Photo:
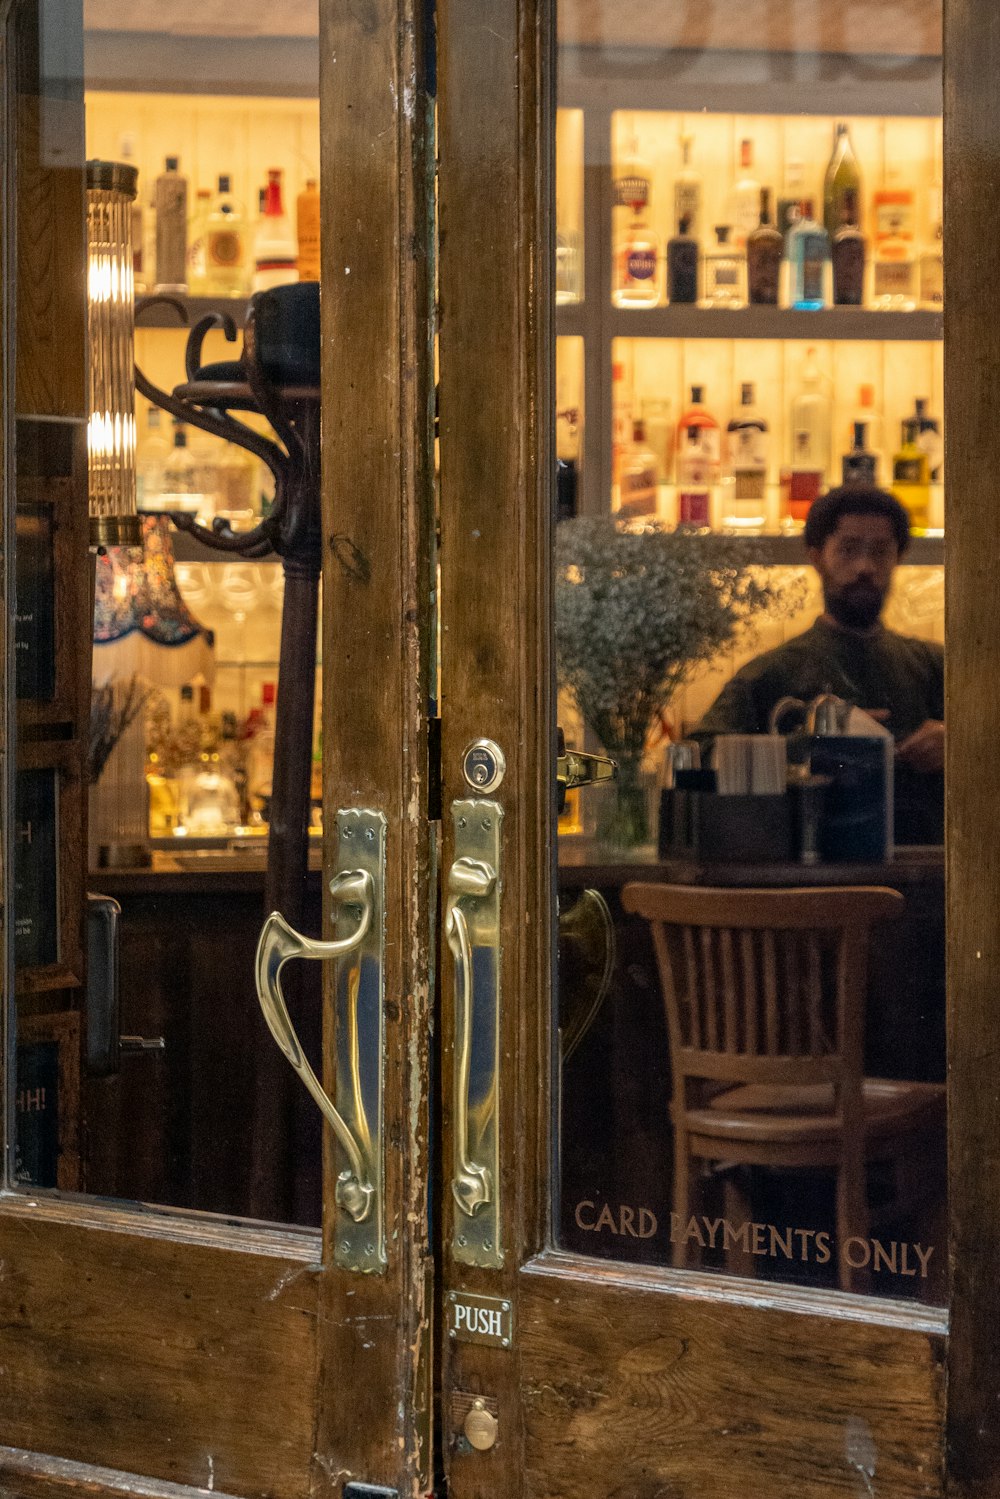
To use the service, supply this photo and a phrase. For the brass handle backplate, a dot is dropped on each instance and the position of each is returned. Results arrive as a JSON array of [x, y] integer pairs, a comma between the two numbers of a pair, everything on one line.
[[357, 895], [472, 928]]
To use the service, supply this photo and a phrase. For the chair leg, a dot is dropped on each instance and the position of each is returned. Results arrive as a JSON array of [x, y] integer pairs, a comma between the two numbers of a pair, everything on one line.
[[737, 1208], [852, 1221], [682, 1191]]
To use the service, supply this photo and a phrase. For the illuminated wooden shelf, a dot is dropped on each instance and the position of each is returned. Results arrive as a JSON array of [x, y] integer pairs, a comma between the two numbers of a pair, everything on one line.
[[790, 551], [859, 324]]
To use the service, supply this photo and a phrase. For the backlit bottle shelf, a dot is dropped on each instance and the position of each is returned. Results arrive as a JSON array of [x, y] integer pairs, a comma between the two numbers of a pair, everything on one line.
[[858, 324], [789, 550]]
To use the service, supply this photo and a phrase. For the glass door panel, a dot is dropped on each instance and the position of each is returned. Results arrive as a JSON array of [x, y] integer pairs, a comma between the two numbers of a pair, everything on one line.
[[749, 619], [145, 1071]]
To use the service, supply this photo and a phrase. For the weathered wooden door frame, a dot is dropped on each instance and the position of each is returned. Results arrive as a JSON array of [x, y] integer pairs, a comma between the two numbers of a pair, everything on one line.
[[178, 1351], [760, 1377]]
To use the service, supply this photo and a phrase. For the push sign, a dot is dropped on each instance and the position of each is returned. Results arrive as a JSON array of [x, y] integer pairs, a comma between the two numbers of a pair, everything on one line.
[[480, 1319]]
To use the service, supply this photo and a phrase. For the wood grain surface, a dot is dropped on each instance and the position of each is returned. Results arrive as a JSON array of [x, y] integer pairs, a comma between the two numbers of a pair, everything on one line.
[[185, 1353], [636, 1391], [495, 118], [618, 1384], [377, 170], [972, 357]]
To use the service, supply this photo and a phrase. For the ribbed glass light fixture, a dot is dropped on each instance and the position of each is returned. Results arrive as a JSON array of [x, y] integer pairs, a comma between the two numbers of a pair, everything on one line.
[[111, 190]]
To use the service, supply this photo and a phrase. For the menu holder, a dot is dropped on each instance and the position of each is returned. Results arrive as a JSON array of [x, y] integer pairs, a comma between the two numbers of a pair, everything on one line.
[[857, 814], [709, 828]]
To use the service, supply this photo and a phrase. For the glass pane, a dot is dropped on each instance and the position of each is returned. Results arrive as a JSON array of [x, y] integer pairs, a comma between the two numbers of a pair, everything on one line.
[[165, 725], [749, 620]]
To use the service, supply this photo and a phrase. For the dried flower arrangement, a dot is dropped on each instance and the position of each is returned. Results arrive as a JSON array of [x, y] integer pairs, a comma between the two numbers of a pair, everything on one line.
[[638, 609]]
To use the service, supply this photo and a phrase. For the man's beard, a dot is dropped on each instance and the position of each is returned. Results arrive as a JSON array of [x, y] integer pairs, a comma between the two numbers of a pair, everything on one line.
[[856, 607]]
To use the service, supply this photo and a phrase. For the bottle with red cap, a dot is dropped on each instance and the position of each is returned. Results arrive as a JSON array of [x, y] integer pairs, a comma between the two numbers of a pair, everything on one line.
[[275, 261]]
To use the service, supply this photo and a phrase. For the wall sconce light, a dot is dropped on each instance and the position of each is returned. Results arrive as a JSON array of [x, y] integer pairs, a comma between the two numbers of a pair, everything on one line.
[[111, 190]]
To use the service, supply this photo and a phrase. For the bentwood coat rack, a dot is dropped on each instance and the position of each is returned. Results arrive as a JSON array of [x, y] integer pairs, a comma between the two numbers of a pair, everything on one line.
[[276, 376]]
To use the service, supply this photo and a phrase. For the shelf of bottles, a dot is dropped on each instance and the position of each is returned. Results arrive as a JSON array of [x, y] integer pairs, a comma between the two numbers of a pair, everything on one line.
[[227, 205], [751, 307]]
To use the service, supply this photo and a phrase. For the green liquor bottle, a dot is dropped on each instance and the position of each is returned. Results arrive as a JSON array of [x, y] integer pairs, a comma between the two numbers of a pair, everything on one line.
[[842, 177]]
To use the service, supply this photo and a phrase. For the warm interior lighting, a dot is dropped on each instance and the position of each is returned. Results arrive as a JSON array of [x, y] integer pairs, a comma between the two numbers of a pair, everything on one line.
[[111, 189]]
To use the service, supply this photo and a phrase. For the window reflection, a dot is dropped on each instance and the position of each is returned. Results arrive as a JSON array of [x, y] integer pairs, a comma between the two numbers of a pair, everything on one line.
[[802, 749]]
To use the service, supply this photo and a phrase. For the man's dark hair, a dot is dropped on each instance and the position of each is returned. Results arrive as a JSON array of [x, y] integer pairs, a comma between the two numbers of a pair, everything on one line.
[[824, 515]]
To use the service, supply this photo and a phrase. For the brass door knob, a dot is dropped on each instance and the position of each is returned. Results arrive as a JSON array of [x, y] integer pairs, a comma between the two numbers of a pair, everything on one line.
[[480, 1427]]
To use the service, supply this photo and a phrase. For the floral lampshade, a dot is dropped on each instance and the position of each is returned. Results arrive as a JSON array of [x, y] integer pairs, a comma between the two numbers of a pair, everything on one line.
[[142, 625], [111, 189]]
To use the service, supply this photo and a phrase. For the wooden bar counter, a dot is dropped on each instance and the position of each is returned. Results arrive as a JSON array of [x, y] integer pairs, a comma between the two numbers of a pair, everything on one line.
[[174, 1126]]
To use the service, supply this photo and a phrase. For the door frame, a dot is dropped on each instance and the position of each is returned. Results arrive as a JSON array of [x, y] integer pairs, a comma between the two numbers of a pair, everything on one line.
[[172, 1351], [763, 1371]]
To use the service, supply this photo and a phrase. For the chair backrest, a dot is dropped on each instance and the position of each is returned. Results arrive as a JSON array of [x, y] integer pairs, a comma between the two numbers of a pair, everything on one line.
[[763, 986]]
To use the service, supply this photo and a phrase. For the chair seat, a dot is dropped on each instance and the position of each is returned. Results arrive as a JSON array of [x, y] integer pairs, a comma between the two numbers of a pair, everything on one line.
[[781, 1115]]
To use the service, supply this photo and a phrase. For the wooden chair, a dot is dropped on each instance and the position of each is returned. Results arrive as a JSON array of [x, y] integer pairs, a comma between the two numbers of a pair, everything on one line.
[[765, 1000]]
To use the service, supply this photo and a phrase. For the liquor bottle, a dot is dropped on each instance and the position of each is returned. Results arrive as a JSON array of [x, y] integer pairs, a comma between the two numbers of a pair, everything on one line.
[[931, 265], [790, 201], [842, 177], [911, 480], [226, 245], [235, 485], [631, 188], [801, 480], [261, 768], [723, 272], [929, 437], [197, 249], [867, 413], [893, 208], [703, 422], [151, 462], [848, 254], [180, 481], [171, 195], [636, 281], [660, 434], [694, 480], [687, 194], [810, 414], [894, 270], [127, 151], [746, 197], [621, 423], [809, 262], [765, 248], [567, 262], [307, 231], [859, 466], [638, 484], [744, 499], [274, 250], [682, 264]]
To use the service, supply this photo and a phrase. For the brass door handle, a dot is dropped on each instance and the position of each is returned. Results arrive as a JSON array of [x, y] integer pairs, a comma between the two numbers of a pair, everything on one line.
[[471, 1183], [278, 944], [576, 768], [472, 930]]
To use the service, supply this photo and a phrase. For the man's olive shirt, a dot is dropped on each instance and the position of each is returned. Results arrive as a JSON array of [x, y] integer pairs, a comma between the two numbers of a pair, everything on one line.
[[876, 670]]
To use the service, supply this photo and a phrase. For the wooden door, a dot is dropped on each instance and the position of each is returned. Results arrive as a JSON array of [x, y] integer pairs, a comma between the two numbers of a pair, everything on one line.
[[575, 1358], [148, 1347]]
